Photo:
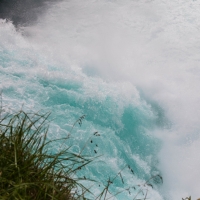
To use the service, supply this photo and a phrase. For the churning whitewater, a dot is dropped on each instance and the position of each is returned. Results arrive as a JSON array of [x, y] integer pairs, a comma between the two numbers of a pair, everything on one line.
[[130, 67]]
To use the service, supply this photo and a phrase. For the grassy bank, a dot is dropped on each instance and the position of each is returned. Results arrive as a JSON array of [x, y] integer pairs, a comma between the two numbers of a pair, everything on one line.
[[29, 169]]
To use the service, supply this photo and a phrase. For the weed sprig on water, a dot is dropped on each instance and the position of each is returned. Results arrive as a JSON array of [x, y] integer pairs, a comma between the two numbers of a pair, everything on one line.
[[189, 198]]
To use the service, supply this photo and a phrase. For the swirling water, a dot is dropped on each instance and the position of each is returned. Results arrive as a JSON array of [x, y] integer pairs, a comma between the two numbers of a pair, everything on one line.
[[132, 67]]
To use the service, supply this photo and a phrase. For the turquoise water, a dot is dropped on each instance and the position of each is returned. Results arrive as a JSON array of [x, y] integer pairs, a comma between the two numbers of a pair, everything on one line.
[[132, 68], [124, 120]]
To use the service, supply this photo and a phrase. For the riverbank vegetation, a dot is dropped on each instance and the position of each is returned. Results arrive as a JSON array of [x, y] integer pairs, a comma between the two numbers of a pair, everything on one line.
[[30, 170]]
